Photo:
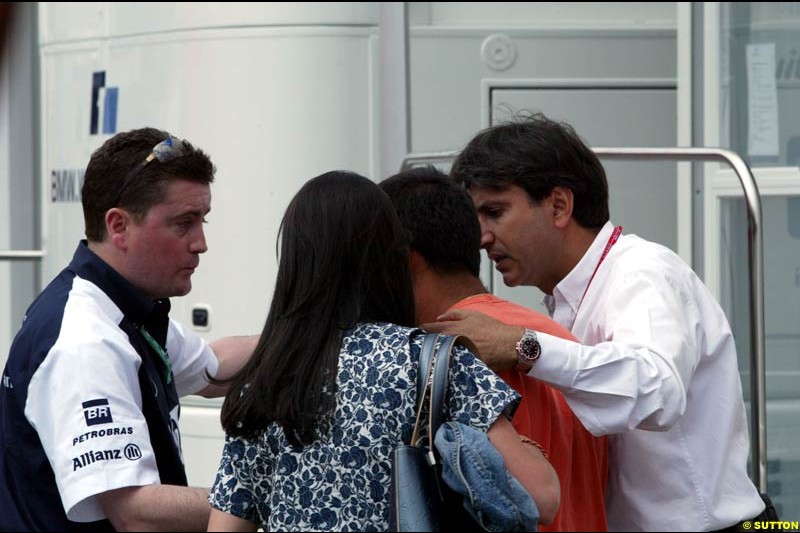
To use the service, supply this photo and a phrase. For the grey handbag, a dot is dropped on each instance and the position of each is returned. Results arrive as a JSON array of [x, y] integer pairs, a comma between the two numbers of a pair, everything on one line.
[[420, 500]]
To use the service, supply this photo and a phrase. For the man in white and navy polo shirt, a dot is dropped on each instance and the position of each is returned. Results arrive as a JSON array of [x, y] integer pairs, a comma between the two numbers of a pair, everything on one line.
[[89, 437]]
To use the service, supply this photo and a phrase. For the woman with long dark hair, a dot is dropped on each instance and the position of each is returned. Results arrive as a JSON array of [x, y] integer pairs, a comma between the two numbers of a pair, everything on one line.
[[312, 418]]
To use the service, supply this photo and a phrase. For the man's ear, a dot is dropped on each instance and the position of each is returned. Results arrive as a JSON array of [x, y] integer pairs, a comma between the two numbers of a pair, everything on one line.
[[562, 201], [117, 223]]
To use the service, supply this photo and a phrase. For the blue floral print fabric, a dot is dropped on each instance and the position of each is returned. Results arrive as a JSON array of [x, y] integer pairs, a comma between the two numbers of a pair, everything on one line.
[[341, 481]]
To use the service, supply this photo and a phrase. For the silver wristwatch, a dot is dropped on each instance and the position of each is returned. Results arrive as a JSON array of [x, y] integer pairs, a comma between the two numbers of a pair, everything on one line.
[[528, 351]]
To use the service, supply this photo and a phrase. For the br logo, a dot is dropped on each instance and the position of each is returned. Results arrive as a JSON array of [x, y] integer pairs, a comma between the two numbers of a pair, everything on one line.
[[97, 412]]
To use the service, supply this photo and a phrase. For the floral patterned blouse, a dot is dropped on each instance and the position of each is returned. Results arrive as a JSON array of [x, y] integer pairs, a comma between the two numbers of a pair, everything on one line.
[[341, 481]]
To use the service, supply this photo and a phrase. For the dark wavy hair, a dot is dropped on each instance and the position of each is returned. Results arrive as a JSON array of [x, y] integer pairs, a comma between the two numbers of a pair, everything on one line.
[[439, 216], [537, 154], [343, 260]]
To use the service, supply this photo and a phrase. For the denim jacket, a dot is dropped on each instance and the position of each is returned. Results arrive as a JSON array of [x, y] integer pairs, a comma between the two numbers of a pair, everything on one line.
[[472, 467]]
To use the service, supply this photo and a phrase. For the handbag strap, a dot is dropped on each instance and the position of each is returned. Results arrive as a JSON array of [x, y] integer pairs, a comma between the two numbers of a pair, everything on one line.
[[426, 359], [439, 385]]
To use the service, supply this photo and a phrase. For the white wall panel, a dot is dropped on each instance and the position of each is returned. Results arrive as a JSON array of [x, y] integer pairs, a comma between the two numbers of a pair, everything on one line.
[[131, 18], [563, 14], [447, 70], [77, 21], [66, 145], [61, 22]]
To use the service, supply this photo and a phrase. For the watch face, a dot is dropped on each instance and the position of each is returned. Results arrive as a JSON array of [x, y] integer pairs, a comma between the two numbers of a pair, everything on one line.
[[528, 349]]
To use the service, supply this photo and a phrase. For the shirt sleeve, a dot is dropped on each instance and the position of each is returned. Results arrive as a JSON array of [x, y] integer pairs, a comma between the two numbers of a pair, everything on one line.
[[192, 359], [85, 403], [476, 396], [651, 327], [232, 490]]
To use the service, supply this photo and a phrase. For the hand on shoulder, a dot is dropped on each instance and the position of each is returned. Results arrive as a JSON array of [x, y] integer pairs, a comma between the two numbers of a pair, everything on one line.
[[493, 341]]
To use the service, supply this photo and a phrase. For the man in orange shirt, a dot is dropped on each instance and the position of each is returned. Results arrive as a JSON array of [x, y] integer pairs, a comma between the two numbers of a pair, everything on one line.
[[445, 261]]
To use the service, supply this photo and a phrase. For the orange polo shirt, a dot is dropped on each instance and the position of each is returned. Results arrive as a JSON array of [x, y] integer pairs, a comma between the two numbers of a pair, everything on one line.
[[579, 458]]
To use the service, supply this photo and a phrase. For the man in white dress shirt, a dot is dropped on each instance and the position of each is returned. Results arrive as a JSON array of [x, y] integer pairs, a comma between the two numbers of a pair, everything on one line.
[[656, 366]]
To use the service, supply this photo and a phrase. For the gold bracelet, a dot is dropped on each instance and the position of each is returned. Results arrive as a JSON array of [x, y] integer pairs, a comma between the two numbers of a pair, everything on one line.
[[526, 440]]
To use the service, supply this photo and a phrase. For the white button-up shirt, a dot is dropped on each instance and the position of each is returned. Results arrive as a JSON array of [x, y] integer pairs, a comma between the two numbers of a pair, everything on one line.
[[657, 371]]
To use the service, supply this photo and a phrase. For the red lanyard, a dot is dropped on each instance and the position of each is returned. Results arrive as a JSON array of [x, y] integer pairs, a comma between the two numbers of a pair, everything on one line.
[[611, 242]]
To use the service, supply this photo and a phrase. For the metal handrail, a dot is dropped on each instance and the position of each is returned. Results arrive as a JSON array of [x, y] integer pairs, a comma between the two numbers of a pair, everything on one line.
[[427, 157], [755, 261], [22, 255]]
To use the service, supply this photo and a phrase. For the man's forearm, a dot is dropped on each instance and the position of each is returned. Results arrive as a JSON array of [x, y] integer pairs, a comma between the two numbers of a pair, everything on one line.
[[232, 354], [157, 508]]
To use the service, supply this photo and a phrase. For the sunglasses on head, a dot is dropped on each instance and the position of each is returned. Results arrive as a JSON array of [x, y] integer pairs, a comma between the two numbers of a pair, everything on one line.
[[166, 150]]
